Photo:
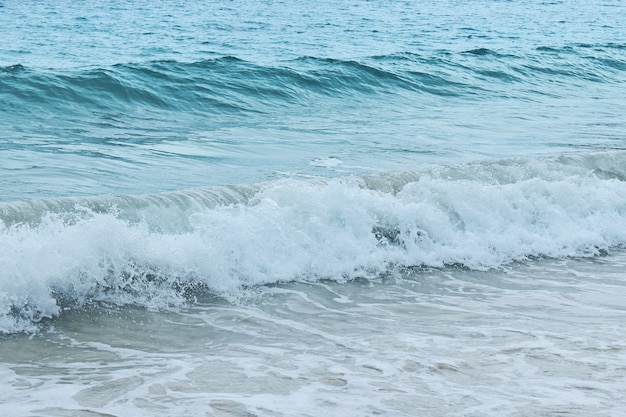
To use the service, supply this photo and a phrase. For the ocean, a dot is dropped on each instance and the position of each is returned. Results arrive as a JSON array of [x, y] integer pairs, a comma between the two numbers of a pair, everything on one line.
[[340, 208]]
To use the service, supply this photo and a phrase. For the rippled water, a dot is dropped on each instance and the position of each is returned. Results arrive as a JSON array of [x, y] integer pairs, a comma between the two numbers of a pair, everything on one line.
[[267, 208], [145, 98]]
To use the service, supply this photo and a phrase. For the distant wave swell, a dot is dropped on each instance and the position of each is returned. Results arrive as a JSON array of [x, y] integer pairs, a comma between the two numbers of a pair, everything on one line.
[[230, 85]]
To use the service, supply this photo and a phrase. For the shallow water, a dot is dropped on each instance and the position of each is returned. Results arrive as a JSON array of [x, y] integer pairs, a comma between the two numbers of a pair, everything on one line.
[[454, 342]]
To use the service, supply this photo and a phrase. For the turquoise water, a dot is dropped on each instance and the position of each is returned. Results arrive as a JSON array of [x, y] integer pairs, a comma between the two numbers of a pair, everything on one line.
[[365, 208], [144, 98]]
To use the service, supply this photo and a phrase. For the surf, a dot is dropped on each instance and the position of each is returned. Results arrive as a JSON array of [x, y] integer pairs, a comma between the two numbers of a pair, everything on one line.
[[156, 250]]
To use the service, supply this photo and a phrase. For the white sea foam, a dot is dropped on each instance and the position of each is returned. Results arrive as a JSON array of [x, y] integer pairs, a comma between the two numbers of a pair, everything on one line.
[[541, 338], [479, 216]]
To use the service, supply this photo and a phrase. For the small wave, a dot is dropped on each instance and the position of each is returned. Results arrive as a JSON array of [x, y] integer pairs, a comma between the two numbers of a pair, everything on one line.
[[608, 45], [156, 250], [229, 85], [12, 69], [126, 207], [357, 77], [481, 52]]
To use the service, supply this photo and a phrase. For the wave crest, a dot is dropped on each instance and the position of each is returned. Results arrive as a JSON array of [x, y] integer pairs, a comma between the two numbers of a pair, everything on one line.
[[230, 85], [155, 250]]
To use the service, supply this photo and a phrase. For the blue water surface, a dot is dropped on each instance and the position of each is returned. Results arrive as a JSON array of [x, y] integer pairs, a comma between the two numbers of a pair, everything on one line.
[[145, 97]]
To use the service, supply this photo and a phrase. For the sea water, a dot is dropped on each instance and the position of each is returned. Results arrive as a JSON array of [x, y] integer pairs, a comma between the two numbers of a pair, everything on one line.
[[347, 208]]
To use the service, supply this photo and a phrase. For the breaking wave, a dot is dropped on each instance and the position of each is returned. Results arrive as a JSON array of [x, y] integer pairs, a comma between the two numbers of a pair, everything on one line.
[[158, 250]]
